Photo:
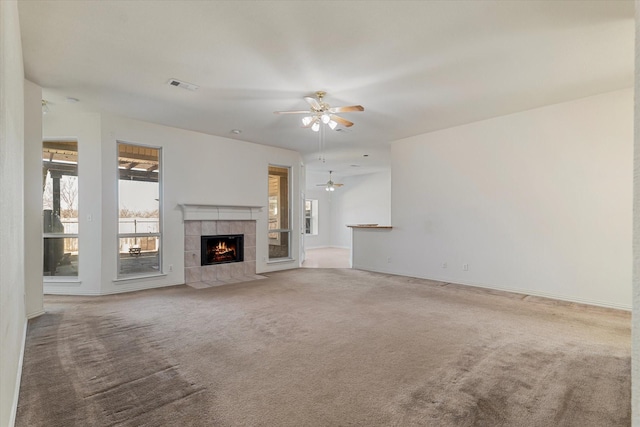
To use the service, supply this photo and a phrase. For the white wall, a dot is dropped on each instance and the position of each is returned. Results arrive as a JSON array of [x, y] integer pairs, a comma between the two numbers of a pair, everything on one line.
[[12, 284], [364, 199], [84, 128], [191, 163], [537, 202], [33, 199]]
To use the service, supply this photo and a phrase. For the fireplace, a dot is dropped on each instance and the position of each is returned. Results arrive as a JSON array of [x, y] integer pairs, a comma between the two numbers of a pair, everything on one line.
[[216, 221], [222, 249]]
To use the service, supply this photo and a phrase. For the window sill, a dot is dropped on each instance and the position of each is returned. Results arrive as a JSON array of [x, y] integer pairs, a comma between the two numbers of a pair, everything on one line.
[[146, 276], [60, 280]]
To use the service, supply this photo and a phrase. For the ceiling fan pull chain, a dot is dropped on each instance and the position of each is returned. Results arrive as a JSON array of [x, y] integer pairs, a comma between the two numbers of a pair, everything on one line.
[[322, 144]]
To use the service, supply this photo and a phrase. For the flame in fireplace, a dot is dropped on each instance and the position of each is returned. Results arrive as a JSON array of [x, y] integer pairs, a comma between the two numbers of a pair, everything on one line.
[[222, 249]]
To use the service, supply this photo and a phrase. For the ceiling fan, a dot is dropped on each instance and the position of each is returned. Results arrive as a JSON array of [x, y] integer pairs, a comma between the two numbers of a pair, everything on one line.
[[321, 112], [330, 185]]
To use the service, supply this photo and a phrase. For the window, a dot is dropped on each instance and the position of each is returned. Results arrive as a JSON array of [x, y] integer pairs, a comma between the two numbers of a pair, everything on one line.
[[311, 217], [139, 226], [279, 228], [60, 207]]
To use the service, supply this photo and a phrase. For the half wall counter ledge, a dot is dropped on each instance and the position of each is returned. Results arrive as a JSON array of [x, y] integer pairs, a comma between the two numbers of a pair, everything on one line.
[[364, 239]]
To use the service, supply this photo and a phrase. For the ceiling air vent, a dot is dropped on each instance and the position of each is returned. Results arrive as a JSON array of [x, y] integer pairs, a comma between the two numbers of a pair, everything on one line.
[[183, 85]]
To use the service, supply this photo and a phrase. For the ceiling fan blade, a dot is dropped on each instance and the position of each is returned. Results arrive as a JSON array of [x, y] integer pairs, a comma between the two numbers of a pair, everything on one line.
[[340, 120], [347, 109], [292, 112], [313, 102], [337, 185]]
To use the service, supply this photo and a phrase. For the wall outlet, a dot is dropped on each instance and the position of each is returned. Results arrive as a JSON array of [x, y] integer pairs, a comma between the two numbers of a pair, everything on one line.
[[465, 267], [444, 265], [389, 260]]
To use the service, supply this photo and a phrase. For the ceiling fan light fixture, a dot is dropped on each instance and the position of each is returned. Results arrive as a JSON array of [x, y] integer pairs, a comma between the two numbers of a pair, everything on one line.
[[330, 185], [322, 113]]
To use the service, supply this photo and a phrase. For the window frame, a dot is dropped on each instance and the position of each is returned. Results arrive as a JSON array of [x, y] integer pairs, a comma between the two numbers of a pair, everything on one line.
[[159, 234], [313, 229], [289, 230], [51, 236]]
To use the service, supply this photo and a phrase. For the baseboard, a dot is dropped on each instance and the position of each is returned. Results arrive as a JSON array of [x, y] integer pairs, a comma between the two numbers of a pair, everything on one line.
[[550, 295], [35, 314], [327, 247], [530, 292], [16, 391], [134, 287], [71, 292], [125, 288]]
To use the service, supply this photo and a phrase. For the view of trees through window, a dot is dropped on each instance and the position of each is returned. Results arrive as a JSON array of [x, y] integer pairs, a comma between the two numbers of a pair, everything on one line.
[[139, 228], [60, 207]]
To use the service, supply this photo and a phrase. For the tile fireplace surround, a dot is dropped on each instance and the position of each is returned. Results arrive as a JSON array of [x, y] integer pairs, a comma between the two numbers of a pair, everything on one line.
[[197, 225]]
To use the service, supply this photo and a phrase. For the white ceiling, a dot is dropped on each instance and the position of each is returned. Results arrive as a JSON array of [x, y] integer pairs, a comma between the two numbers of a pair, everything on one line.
[[416, 66]]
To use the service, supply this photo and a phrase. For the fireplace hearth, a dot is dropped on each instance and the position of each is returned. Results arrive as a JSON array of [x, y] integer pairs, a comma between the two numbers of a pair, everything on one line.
[[222, 249]]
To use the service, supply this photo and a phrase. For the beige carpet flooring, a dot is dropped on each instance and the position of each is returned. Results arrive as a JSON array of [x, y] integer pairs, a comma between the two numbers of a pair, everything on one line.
[[323, 347]]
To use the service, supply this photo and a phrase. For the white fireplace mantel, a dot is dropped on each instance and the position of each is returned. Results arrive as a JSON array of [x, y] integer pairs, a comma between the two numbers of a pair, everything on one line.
[[197, 212]]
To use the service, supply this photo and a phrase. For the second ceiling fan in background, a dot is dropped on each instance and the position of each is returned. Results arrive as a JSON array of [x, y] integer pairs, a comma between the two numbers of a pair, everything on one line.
[[330, 185]]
